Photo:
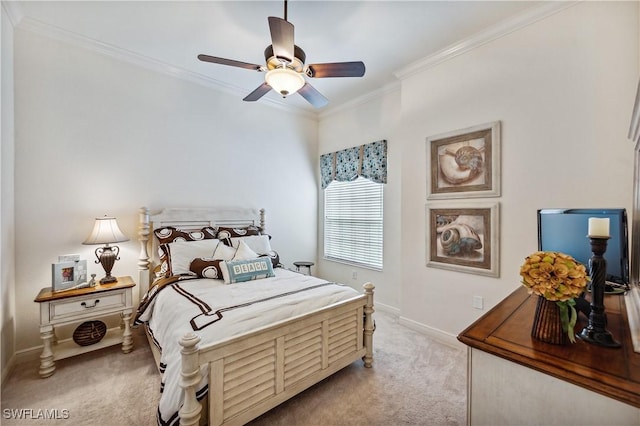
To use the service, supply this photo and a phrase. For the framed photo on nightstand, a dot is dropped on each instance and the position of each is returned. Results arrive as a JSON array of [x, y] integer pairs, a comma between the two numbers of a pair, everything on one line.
[[68, 275]]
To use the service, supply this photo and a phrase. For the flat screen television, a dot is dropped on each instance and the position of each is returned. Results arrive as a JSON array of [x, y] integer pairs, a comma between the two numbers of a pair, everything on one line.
[[565, 230]]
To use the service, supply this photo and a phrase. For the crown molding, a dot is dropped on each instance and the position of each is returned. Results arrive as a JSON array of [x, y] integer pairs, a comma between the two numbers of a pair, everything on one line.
[[124, 55], [13, 12], [501, 29], [492, 33], [361, 100]]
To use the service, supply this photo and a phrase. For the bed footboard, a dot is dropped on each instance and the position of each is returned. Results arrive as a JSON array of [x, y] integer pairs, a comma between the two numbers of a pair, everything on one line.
[[252, 373]]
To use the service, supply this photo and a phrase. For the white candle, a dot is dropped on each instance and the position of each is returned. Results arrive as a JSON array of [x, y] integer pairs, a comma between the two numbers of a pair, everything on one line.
[[598, 227]]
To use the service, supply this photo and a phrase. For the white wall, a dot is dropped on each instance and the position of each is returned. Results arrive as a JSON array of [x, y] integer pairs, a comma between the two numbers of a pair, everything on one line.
[[7, 266], [99, 136], [563, 88]]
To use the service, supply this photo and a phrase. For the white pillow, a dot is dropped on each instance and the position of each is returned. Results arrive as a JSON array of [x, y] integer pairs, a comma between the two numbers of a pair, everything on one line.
[[258, 243], [181, 253], [244, 252], [223, 252]]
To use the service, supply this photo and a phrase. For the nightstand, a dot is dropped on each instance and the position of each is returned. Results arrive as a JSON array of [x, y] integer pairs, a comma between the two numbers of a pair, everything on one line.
[[83, 304]]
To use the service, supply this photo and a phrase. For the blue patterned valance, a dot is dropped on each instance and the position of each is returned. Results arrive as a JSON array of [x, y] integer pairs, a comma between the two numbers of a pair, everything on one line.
[[368, 161]]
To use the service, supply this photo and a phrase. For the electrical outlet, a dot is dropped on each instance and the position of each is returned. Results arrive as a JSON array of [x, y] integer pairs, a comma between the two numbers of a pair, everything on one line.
[[354, 275], [478, 302]]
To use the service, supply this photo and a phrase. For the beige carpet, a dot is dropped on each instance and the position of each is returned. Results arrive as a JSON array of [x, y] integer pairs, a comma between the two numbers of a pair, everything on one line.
[[414, 381]]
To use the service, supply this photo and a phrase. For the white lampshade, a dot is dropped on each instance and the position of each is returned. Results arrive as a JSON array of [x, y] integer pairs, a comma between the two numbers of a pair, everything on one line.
[[105, 231], [284, 81]]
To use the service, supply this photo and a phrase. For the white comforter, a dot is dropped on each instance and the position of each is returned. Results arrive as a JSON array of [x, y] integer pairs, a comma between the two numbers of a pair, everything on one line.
[[169, 315]]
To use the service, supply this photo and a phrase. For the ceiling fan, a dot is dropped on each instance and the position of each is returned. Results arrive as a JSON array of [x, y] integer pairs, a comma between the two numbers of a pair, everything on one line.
[[285, 68]]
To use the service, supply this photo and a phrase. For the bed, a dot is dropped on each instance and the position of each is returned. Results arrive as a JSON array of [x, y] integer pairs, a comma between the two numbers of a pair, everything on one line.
[[230, 351]]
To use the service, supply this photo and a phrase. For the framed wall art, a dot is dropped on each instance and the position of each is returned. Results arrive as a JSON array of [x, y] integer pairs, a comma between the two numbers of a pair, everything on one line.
[[464, 163], [464, 238]]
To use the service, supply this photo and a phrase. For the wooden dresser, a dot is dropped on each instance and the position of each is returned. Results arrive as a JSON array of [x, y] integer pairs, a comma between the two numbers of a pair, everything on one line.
[[515, 379]]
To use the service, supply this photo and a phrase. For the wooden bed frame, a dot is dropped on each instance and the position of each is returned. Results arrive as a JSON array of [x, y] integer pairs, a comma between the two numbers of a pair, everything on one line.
[[254, 372]]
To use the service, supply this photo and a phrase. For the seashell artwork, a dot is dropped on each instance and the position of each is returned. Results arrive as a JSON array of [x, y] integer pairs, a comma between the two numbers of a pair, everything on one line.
[[459, 239], [459, 235], [464, 237], [462, 165], [469, 157], [442, 221]]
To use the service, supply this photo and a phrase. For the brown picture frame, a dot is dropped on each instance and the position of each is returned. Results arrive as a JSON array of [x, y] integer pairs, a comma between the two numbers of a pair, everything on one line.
[[464, 163], [464, 238]]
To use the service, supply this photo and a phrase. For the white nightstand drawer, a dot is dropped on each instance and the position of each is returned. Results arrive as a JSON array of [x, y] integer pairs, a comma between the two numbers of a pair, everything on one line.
[[93, 303]]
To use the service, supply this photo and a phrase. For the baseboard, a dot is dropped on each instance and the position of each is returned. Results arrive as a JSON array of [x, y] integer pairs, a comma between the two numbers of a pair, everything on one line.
[[27, 355], [7, 369], [20, 357], [387, 309], [436, 334]]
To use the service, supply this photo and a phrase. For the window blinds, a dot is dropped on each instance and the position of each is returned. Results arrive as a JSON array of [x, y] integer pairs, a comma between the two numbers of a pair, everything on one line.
[[353, 225]]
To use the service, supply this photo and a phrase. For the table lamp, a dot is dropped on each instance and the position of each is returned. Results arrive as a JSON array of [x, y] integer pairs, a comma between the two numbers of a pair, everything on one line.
[[105, 231]]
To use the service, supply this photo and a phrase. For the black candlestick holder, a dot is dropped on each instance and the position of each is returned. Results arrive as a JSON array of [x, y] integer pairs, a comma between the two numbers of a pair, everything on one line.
[[595, 332]]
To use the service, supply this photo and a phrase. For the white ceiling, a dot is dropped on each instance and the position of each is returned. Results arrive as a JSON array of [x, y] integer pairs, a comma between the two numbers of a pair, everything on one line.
[[385, 35]]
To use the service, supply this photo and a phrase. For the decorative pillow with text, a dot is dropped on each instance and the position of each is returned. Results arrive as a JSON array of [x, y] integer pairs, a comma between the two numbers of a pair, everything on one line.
[[236, 271]]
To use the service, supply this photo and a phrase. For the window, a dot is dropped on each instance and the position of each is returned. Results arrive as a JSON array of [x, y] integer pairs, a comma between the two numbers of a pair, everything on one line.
[[353, 223]]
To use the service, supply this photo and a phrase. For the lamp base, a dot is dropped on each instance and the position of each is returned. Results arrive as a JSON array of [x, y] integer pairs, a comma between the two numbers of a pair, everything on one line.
[[108, 280], [598, 337], [107, 256]]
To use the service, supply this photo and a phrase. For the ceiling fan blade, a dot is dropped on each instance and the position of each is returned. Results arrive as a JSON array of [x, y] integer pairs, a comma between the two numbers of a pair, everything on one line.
[[230, 62], [314, 97], [260, 91], [282, 38], [337, 69]]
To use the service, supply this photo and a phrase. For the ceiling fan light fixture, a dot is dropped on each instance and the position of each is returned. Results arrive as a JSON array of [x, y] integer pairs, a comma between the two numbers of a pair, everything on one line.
[[285, 67], [284, 81]]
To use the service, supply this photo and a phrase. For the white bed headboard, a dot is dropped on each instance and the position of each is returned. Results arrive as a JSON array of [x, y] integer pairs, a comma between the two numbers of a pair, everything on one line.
[[186, 219]]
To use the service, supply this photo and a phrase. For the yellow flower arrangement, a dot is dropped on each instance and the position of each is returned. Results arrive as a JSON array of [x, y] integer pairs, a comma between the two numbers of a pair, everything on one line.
[[557, 277]]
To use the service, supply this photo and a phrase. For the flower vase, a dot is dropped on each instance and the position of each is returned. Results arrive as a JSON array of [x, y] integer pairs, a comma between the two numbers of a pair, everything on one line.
[[547, 325]]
